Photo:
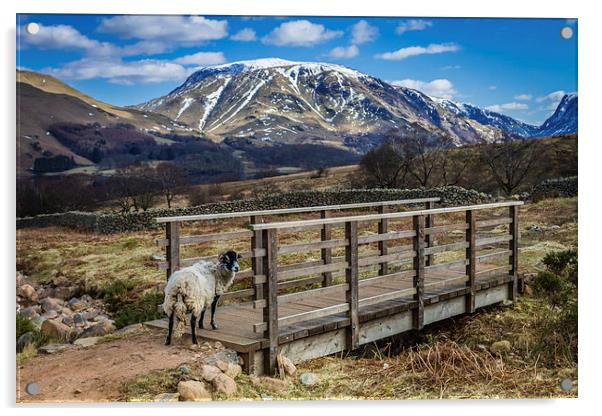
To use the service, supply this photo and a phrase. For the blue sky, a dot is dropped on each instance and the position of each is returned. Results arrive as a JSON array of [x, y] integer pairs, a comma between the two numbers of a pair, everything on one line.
[[520, 67]]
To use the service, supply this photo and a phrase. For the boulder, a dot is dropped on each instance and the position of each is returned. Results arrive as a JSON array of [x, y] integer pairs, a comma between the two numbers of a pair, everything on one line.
[[224, 355], [28, 293], [24, 340], [51, 304], [86, 342], [90, 314], [37, 321], [501, 347], [167, 397], [224, 384], [65, 292], [56, 330], [53, 348], [78, 319], [98, 330], [222, 365], [209, 372], [274, 384], [289, 367], [129, 329], [51, 314], [193, 391], [308, 379], [76, 304], [68, 320], [233, 370], [29, 312]]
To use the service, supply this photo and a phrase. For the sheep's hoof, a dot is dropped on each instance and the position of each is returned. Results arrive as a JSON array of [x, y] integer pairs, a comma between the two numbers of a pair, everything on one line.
[[195, 342], [167, 342], [214, 325]]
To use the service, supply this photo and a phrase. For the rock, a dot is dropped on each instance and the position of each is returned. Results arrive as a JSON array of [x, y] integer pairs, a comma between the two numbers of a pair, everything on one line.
[[224, 355], [167, 397], [209, 372], [60, 280], [129, 329], [29, 312], [24, 340], [193, 391], [86, 342], [76, 304], [28, 293], [65, 292], [50, 314], [53, 348], [68, 320], [98, 330], [289, 367], [51, 304], [158, 257], [20, 279], [274, 384], [86, 298], [56, 330], [78, 319], [184, 369], [100, 318], [224, 384], [308, 379], [233, 370], [500, 347], [90, 314], [222, 365], [37, 322]]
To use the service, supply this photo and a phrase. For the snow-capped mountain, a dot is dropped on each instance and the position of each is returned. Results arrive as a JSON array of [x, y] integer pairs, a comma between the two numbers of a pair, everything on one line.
[[564, 119], [310, 102], [489, 118], [285, 101]]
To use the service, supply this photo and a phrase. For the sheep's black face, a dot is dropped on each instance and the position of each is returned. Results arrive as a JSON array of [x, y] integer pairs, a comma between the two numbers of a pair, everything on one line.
[[230, 261]]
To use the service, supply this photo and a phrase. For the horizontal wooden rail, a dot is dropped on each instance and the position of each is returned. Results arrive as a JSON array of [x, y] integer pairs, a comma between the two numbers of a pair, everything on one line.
[[196, 239], [242, 214], [493, 222], [493, 240], [368, 261], [315, 245], [491, 256], [446, 266], [445, 247], [445, 228], [374, 217], [391, 235], [311, 270], [305, 316]]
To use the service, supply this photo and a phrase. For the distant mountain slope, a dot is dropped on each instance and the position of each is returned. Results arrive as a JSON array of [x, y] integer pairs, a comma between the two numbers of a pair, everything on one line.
[[277, 100], [564, 119], [43, 100]]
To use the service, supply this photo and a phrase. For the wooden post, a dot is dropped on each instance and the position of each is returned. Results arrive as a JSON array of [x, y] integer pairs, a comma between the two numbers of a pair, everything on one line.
[[257, 264], [383, 227], [270, 294], [351, 277], [471, 257], [430, 238], [172, 231], [513, 247], [418, 221], [326, 234]]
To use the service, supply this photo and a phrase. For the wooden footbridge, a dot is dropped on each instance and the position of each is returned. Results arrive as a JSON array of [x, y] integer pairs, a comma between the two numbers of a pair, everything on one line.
[[322, 285]]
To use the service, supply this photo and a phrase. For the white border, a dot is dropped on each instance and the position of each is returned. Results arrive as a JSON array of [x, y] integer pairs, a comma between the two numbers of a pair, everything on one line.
[[589, 160]]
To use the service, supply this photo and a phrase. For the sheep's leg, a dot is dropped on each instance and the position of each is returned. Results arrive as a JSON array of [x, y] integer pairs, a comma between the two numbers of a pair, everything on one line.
[[193, 326], [169, 330], [213, 308], [201, 324]]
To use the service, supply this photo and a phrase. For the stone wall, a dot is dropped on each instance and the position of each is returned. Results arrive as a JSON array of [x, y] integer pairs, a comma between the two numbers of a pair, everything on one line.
[[107, 223], [555, 188]]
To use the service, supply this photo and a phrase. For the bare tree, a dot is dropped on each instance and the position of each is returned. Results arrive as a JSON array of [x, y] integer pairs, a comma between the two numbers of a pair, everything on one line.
[[387, 165], [511, 162], [453, 164], [170, 177], [428, 153]]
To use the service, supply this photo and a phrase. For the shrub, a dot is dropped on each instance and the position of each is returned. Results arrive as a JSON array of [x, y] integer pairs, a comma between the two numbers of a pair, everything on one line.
[[142, 309], [24, 325]]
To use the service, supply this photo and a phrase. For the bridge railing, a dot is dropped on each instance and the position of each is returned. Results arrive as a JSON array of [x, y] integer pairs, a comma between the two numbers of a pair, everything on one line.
[[174, 242], [344, 296]]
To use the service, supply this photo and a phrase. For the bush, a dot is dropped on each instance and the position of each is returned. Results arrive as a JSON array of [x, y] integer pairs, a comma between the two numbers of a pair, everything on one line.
[[24, 325], [142, 309]]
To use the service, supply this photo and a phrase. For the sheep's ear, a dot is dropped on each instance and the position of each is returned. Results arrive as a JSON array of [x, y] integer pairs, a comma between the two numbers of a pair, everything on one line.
[[222, 258], [239, 256]]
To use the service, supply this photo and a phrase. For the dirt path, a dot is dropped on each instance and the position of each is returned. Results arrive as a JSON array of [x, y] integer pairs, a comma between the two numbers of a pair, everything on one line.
[[96, 373]]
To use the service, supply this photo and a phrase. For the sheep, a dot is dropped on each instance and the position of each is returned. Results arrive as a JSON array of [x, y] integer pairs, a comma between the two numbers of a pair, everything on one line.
[[193, 289]]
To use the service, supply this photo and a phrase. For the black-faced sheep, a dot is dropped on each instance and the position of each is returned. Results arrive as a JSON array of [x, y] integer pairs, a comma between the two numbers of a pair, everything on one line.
[[193, 289]]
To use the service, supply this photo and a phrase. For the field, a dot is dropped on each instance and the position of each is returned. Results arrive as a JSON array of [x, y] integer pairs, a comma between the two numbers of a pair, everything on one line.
[[451, 360]]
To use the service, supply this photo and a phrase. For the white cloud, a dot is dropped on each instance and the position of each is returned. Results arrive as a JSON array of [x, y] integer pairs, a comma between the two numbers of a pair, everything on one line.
[[344, 52], [363, 32], [64, 37], [245, 35], [404, 53], [189, 30], [523, 97], [202, 58], [442, 88], [550, 101], [498, 108], [413, 24], [448, 67], [122, 72], [300, 33], [492, 87]]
